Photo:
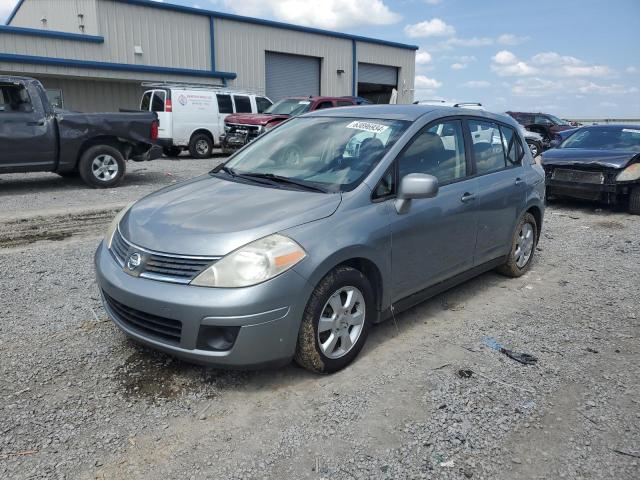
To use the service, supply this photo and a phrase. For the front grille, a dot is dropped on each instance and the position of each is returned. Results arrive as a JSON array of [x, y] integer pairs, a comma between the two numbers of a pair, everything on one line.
[[159, 266], [578, 176], [162, 328], [252, 131]]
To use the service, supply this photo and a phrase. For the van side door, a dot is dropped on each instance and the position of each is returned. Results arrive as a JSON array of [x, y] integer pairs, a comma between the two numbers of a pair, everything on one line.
[[28, 135], [498, 155]]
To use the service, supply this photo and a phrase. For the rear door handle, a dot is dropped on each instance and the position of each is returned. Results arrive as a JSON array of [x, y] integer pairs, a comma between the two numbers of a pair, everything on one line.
[[519, 181], [36, 124], [468, 197]]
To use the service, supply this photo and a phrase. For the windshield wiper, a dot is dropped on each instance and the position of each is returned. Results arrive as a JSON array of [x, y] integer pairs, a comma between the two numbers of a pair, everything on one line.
[[278, 179]]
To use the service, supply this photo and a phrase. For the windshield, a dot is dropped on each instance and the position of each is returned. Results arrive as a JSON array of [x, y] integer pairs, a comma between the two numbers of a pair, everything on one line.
[[334, 154], [289, 107], [558, 121], [605, 138]]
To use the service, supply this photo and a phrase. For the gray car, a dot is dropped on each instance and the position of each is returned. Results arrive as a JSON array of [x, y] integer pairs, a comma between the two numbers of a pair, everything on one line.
[[326, 225]]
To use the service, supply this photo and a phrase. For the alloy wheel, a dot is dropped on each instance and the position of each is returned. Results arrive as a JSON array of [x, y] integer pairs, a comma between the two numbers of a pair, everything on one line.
[[202, 147], [341, 322], [104, 167], [524, 245]]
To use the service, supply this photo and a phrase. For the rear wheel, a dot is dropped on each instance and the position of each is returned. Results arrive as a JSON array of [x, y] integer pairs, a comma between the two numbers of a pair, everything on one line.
[[523, 246], [336, 321], [201, 146], [102, 166], [634, 201], [534, 147]]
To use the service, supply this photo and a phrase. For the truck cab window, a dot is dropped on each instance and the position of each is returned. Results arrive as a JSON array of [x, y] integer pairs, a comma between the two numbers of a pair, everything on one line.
[[15, 98]]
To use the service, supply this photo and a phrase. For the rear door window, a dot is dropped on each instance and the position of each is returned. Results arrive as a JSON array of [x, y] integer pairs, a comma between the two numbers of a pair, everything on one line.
[[224, 103], [145, 103], [157, 102], [262, 103], [512, 147], [487, 146], [243, 103]]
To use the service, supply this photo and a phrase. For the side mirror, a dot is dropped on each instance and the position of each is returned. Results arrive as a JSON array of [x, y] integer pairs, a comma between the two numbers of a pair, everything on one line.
[[414, 186]]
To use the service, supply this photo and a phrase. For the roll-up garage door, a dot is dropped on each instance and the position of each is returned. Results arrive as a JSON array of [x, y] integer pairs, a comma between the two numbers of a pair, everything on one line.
[[377, 74], [288, 75]]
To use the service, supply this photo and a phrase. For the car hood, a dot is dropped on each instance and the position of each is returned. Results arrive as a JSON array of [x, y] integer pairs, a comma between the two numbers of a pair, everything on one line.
[[210, 216], [253, 118], [588, 157]]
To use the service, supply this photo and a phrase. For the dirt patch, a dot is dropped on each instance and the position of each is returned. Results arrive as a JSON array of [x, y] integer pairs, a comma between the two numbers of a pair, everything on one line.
[[24, 231], [610, 224]]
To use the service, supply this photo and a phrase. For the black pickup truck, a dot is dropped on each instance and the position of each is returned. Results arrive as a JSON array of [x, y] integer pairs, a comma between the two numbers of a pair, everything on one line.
[[34, 137]]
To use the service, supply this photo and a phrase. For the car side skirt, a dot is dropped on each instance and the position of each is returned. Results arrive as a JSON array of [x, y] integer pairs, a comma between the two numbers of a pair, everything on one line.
[[429, 292]]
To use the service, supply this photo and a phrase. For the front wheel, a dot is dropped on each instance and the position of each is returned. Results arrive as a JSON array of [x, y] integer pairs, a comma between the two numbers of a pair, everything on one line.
[[534, 147], [171, 151], [336, 321], [523, 247], [102, 166]]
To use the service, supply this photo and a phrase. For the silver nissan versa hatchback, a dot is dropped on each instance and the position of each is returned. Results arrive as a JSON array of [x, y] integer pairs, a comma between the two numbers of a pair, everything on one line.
[[309, 235]]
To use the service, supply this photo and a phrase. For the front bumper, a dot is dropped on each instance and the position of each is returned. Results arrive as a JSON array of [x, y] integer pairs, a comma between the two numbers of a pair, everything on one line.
[[268, 315], [602, 187]]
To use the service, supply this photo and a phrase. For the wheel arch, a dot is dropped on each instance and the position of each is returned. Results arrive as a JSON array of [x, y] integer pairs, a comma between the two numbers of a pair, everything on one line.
[[123, 147], [204, 131], [537, 214]]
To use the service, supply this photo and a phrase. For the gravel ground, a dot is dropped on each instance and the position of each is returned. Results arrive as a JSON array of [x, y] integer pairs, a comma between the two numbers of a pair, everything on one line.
[[77, 400]]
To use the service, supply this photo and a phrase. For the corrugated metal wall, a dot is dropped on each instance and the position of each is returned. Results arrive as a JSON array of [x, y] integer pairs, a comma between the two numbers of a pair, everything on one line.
[[288, 75], [95, 96], [404, 59], [241, 48], [61, 15]]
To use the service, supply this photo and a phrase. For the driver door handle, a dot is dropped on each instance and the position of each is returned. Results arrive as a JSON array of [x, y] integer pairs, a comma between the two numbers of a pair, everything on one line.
[[468, 197], [519, 181]]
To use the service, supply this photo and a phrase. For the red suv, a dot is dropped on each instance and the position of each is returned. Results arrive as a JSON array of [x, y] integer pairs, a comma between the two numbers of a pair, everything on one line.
[[546, 125], [241, 128]]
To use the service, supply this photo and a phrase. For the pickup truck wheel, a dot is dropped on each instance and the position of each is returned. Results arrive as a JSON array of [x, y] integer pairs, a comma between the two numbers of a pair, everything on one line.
[[523, 247], [102, 166], [336, 321], [171, 151], [200, 146], [634, 201]]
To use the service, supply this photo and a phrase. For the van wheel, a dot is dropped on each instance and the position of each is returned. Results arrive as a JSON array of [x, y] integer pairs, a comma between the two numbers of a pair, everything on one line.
[[200, 146], [523, 247], [634, 201], [171, 151], [102, 166], [336, 321]]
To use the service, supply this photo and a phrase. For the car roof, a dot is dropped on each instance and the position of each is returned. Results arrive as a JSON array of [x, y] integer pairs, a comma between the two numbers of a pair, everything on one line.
[[614, 125], [409, 113]]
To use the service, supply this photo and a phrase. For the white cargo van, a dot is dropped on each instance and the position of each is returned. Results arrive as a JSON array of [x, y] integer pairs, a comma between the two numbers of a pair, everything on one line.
[[193, 118]]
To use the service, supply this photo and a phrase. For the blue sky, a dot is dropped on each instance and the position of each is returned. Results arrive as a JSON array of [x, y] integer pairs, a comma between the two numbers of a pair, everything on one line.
[[574, 58]]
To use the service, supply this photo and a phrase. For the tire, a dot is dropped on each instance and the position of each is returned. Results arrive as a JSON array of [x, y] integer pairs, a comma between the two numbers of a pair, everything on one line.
[[634, 201], [171, 151], [102, 166], [534, 147], [517, 265], [353, 324], [201, 146]]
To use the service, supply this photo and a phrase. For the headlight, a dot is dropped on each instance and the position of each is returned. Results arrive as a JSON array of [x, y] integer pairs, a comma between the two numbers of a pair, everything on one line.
[[252, 264], [632, 172], [108, 237]]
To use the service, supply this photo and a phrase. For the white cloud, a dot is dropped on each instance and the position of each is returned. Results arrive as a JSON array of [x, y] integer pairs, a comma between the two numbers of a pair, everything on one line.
[[477, 84], [505, 63], [535, 87], [6, 7], [611, 89], [631, 69], [423, 82], [608, 104], [541, 87], [458, 66], [423, 57], [469, 42], [432, 2], [333, 14], [511, 39], [430, 28], [504, 57]]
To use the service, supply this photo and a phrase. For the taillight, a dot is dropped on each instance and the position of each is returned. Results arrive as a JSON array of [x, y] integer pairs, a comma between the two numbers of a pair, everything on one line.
[[154, 130], [168, 107]]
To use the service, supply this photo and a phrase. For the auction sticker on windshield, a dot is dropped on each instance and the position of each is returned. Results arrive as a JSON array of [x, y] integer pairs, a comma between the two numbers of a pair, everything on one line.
[[368, 126]]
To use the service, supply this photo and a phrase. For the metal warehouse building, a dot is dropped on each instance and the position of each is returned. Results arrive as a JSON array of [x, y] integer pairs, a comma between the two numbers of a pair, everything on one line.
[[93, 55]]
